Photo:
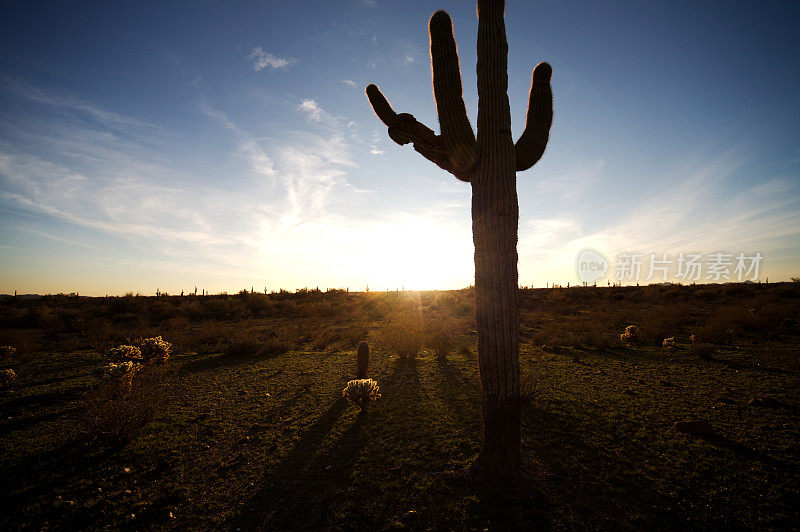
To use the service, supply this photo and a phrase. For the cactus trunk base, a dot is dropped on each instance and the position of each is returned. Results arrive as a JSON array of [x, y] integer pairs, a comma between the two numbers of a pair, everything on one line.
[[500, 457]]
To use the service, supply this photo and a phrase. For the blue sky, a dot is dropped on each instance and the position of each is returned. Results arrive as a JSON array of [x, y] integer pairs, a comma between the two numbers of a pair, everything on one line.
[[226, 145]]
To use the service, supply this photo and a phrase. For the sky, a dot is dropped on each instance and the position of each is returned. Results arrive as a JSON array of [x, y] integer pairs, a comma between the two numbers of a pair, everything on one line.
[[226, 145]]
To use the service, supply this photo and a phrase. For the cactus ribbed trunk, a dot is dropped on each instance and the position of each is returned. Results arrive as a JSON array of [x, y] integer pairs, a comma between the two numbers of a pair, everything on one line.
[[489, 163], [495, 217]]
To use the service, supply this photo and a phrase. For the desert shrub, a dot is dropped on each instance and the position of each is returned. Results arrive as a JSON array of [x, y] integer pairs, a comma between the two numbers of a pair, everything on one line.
[[243, 344], [7, 351], [161, 311], [8, 378], [442, 336], [319, 309], [668, 343], [277, 341], [374, 307], [178, 323], [116, 409], [259, 306], [589, 330], [38, 317], [216, 309], [362, 392], [402, 334], [719, 328], [354, 333]]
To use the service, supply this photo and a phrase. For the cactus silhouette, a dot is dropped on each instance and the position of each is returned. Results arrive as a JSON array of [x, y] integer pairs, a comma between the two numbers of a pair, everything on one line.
[[489, 163], [363, 360]]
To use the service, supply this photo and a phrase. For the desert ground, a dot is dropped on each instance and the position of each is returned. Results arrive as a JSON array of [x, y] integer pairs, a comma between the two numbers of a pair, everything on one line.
[[244, 426]]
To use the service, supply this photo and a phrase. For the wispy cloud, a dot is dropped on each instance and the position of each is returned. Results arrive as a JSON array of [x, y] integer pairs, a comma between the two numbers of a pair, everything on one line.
[[349, 82], [311, 109], [694, 211], [261, 59], [24, 90]]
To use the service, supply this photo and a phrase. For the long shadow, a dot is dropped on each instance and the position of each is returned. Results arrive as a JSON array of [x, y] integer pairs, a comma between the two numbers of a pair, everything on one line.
[[218, 361], [28, 421], [455, 386], [277, 489], [39, 401], [747, 452], [576, 475], [46, 473], [306, 488], [739, 366]]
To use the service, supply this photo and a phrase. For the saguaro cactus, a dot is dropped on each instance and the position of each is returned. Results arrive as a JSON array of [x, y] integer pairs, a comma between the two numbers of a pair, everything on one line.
[[362, 360], [489, 163]]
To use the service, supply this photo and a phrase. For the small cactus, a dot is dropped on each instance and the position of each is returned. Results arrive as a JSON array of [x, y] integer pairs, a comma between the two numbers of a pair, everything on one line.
[[362, 392], [363, 360]]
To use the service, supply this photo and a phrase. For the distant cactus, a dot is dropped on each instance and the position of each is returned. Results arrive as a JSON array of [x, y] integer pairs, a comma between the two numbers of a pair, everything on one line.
[[363, 360]]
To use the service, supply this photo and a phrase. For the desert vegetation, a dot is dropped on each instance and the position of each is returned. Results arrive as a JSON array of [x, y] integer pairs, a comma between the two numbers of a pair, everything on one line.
[[248, 421]]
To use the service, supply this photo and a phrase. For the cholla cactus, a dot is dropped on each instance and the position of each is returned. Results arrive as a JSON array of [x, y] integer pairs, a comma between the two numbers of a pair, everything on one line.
[[120, 369], [125, 353], [121, 373], [7, 351], [362, 392], [668, 343], [630, 337], [7, 378], [155, 349]]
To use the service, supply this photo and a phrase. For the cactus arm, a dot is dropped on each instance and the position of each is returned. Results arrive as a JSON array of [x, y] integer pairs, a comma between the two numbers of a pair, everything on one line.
[[404, 128], [531, 144], [458, 138], [494, 116]]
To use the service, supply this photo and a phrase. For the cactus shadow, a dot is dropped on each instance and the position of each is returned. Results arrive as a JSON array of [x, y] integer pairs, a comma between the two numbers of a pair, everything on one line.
[[292, 493]]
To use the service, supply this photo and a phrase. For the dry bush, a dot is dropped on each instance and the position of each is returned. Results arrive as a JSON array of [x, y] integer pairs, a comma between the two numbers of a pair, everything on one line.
[[243, 343], [116, 411], [590, 330], [278, 341], [442, 336], [374, 307], [721, 327], [402, 334]]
